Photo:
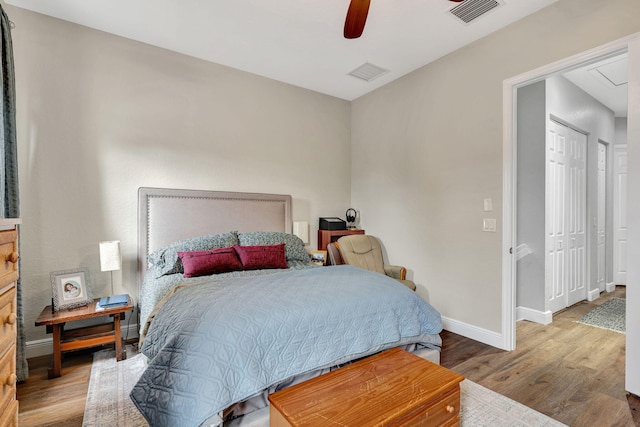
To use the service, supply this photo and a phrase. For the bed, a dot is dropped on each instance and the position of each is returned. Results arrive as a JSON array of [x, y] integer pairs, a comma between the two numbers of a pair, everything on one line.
[[218, 344]]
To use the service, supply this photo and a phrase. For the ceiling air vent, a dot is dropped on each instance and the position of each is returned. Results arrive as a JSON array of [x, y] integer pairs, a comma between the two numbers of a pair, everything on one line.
[[469, 10], [368, 72]]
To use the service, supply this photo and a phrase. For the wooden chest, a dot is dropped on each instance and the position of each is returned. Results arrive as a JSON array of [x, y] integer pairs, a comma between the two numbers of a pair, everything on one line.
[[8, 321], [392, 388]]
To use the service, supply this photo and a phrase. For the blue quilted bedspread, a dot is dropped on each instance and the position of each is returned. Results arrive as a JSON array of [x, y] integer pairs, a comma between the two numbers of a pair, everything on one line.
[[218, 343]]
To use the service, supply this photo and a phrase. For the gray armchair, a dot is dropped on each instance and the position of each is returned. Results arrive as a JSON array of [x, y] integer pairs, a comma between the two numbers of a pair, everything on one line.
[[364, 251]]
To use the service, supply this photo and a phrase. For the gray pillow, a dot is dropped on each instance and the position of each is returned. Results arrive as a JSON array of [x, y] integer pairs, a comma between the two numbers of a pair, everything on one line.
[[167, 260], [294, 247]]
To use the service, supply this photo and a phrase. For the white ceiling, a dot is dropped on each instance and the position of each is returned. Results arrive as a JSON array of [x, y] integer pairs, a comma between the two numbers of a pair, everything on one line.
[[294, 41], [606, 81]]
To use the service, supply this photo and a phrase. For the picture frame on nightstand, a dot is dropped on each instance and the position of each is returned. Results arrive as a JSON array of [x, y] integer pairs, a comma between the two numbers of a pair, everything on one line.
[[70, 289], [319, 257]]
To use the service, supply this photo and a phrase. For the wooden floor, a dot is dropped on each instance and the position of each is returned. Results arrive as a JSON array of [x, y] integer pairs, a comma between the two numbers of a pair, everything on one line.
[[59, 401], [571, 372]]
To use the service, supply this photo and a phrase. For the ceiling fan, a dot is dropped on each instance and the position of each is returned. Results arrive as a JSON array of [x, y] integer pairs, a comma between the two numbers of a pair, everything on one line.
[[357, 17]]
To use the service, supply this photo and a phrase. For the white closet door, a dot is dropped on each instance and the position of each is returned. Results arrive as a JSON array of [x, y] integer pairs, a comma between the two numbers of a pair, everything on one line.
[[565, 265], [577, 217], [620, 214], [601, 216], [556, 235]]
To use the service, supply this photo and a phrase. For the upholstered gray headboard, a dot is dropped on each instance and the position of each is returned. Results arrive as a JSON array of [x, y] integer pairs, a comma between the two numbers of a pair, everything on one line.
[[167, 215]]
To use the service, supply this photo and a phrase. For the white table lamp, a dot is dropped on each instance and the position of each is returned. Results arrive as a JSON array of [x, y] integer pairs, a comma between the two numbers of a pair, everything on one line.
[[110, 258], [301, 229]]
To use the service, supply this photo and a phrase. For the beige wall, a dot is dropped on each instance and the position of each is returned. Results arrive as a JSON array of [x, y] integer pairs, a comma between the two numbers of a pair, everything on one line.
[[99, 116], [429, 146]]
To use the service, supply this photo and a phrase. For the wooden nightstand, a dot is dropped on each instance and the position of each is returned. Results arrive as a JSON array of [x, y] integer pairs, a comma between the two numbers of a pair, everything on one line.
[[84, 337], [329, 236]]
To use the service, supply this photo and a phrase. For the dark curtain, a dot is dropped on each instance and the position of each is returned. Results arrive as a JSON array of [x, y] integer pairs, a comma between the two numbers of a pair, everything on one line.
[[9, 200]]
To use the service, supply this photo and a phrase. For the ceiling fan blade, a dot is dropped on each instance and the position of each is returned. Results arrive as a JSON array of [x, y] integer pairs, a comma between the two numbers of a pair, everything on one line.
[[356, 18]]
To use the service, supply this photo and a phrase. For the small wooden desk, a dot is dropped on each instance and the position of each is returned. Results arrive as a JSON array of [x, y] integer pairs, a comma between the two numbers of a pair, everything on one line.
[[392, 388], [84, 337]]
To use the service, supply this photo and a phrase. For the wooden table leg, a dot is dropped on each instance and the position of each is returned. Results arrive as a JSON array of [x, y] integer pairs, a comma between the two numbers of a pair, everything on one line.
[[57, 351], [116, 330]]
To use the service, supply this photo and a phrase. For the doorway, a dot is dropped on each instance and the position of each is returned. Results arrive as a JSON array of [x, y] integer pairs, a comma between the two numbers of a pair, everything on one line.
[[556, 196], [632, 45]]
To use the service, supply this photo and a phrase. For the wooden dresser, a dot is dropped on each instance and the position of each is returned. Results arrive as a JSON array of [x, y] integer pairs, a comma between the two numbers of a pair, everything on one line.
[[8, 320], [392, 388]]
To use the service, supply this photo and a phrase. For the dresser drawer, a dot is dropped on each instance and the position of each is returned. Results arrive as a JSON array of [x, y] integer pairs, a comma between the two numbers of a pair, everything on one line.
[[7, 319], [8, 257], [442, 411], [9, 418], [8, 378]]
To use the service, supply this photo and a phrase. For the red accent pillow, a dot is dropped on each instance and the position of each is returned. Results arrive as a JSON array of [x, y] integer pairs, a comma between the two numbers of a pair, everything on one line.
[[259, 257], [204, 263]]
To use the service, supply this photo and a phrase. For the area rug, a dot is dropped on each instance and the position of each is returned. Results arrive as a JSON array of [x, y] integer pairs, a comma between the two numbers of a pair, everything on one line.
[[108, 403], [608, 315]]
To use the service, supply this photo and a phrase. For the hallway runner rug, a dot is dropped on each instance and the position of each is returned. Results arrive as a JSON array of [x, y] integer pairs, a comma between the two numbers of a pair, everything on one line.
[[108, 403], [608, 315]]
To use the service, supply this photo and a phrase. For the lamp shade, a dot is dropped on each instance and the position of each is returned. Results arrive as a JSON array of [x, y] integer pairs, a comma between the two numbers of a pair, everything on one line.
[[301, 229], [110, 258]]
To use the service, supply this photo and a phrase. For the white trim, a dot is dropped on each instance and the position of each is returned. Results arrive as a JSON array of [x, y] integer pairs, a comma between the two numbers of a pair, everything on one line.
[[510, 86], [593, 294], [568, 124], [509, 156], [541, 317], [39, 348], [610, 287], [475, 333], [44, 347], [632, 349]]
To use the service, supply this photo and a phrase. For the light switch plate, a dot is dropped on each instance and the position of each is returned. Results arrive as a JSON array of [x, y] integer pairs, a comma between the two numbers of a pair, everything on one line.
[[489, 224], [488, 205]]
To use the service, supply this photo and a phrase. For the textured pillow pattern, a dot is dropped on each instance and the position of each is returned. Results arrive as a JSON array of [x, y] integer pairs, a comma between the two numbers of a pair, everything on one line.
[[167, 258], [262, 257], [294, 247], [204, 263]]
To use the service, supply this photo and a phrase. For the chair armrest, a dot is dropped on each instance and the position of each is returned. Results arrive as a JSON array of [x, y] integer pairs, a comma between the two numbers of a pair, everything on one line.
[[395, 271], [335, 257]]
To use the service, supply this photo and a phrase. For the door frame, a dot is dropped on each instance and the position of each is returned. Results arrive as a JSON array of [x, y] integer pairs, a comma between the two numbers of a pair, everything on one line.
[[510, 87], [608, 202]]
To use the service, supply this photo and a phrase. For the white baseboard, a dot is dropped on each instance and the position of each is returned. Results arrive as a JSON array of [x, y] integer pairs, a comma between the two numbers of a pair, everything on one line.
[[593, 294], [39, 347], [44, 346], [485, 336], [610, 287], [541, 317]]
